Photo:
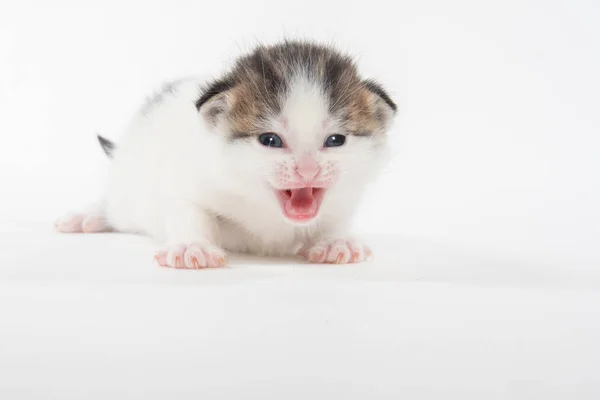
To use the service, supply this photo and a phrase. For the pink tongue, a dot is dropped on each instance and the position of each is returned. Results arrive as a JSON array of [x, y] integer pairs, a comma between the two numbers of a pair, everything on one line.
[[302, 199]]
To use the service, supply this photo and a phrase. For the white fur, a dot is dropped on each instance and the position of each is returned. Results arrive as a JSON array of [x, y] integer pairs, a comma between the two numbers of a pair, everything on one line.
[[172, 174]]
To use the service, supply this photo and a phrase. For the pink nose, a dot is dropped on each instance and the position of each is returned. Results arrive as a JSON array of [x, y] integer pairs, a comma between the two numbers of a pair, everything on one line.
[[307, 167]]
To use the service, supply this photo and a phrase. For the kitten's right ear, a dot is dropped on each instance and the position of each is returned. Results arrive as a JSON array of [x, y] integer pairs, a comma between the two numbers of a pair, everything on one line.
[[385, 107], [212, 104]]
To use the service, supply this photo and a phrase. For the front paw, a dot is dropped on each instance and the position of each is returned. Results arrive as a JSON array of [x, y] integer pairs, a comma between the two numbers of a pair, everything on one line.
[[336, 251], [192, 256]]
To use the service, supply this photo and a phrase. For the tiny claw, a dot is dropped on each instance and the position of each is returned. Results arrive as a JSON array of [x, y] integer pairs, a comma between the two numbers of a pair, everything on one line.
[[178, 262], [160, 258], [339, 258], [302, 252]]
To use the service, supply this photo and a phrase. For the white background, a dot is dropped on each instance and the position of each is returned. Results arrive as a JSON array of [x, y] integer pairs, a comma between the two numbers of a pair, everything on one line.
[[497, 140], [488, 218]]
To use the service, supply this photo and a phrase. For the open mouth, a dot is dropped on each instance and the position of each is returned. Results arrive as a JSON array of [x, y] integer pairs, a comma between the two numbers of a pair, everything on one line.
[[300, 204]]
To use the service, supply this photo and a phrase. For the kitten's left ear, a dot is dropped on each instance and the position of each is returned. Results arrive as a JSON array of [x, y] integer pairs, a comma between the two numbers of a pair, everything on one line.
[[385, 107], [212, 104]]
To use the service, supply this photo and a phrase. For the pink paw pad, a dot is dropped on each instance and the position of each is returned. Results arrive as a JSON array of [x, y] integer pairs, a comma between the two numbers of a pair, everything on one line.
[[81, 223], [337, 252], [193, 256]]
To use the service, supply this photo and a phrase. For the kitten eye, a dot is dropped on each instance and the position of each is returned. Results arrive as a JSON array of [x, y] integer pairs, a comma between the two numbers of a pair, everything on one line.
[[335, 141], [270, 140]]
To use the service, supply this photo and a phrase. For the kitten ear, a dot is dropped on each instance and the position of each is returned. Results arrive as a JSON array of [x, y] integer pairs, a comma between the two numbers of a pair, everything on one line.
[[384, 105], [212, 104]]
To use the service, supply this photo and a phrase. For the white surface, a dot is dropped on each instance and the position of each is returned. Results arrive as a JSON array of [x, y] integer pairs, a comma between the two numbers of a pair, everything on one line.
[[88, 316], [497, 172]]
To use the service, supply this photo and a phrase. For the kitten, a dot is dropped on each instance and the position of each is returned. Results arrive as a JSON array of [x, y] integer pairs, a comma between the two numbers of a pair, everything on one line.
[[270, 159]]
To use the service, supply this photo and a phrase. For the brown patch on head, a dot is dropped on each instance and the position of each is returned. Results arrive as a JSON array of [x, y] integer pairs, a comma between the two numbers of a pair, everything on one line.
[[255, 89], [249, 106]]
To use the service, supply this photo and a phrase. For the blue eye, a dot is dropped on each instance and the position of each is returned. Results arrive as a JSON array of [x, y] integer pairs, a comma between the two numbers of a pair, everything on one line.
[[335, 141], [270, 140]]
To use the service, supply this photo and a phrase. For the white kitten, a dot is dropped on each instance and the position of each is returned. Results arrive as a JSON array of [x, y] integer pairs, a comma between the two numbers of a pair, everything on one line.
[[270, 159]]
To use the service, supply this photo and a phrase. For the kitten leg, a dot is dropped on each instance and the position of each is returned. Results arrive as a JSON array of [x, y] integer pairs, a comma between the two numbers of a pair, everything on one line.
[[190, 243]]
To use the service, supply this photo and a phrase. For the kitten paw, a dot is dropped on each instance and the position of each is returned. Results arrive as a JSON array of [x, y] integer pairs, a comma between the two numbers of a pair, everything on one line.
[[192, 256], [81, 223], [336, 251]]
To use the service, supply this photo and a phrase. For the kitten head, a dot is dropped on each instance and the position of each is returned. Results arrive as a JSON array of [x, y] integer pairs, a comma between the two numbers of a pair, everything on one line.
[[303, 131]]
